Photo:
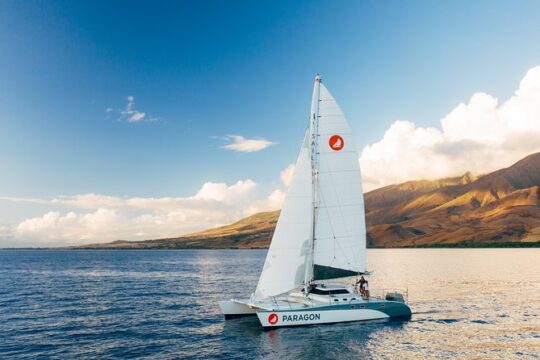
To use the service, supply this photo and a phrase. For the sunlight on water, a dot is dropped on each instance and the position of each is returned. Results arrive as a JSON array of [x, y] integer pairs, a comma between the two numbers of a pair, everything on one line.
[[467, 303]]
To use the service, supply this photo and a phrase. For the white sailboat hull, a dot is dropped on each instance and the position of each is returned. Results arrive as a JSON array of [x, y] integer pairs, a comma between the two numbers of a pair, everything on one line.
[[271, 319], [233, 308], [357, 311]]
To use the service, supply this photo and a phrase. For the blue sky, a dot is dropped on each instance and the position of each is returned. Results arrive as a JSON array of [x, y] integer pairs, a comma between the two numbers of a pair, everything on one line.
[[202, 70]]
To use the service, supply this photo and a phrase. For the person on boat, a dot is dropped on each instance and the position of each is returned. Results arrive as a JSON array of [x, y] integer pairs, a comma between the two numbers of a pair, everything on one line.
[[365, 286], [309, 288], [360, 284]]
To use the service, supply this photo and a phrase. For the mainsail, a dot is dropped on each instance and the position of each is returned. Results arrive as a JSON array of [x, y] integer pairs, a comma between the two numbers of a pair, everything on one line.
[[340, 230], [321, 231]]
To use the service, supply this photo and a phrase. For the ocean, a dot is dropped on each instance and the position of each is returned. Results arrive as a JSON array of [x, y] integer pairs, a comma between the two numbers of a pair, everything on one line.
[[162, 304]]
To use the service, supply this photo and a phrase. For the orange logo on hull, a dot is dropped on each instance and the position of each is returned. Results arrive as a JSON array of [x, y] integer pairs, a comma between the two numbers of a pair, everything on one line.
[[272, 319]]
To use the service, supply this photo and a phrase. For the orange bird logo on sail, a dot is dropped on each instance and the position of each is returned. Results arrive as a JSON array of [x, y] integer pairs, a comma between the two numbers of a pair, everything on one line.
[[336, 142]]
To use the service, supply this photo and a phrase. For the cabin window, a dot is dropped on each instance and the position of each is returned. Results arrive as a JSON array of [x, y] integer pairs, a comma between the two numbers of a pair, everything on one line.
[[336, 299], [344, 299], [338, 291], [318, 291], [352, 299], [382, 305], [362, 306]]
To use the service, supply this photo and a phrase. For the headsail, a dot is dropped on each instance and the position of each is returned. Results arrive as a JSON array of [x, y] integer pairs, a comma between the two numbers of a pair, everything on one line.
[[284, 266], [340, 231]]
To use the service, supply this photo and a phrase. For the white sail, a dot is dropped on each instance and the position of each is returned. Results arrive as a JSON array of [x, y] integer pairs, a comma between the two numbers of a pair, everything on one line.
[[284, 266], [340, 231]]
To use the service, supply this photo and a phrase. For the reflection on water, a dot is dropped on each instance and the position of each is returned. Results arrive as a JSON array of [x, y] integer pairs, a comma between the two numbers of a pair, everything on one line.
[[163, 304]]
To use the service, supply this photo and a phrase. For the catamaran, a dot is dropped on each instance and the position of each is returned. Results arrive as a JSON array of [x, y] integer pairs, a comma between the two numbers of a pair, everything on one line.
[[320, 236]]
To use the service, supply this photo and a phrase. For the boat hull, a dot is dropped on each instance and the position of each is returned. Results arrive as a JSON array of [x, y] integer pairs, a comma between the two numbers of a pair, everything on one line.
[[232, 309], [334, 314]]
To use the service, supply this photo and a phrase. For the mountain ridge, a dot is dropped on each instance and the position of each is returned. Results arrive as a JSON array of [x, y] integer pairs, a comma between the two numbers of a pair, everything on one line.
[[499, 208]]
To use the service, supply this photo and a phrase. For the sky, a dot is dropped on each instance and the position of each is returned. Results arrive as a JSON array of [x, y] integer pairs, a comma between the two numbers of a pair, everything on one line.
[[136, 120]]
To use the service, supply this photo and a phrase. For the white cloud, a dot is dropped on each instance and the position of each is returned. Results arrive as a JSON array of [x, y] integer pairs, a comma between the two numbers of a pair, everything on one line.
[[276, 197], [286, 175], [240, 143], [92, 218], [481, 136], [70, 227], [5, 231], [223, 193], [130, 114], [272, 202], [137, 116]]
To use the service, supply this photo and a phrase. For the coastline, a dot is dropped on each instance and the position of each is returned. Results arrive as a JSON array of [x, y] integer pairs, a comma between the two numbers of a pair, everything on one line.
[[462, 245]]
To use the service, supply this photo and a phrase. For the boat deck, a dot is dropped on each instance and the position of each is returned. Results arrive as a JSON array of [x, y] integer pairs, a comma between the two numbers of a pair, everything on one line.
[[292, 302]]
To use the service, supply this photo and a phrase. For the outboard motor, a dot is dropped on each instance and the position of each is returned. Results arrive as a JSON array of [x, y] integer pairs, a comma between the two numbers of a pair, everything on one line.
[[395, 296]]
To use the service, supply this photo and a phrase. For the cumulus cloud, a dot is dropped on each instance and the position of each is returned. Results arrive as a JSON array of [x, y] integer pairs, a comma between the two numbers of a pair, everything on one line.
[[286, 175], [92, 218], [272, 202], [241, 144], [223, 193], [54, 226], [481, 135], [276, 197]]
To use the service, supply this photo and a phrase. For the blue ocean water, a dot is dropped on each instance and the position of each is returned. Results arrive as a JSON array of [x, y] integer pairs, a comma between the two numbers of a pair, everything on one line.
[[160, 304]]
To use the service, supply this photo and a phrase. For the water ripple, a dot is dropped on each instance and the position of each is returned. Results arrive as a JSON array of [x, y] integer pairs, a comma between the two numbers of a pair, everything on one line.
[[163, 305]]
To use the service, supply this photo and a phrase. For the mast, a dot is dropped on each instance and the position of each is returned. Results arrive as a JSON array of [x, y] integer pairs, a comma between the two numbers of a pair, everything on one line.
[[314, 132]]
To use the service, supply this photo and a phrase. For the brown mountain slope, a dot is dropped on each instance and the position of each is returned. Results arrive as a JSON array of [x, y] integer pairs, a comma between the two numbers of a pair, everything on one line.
[[252, 232], [498, 208]]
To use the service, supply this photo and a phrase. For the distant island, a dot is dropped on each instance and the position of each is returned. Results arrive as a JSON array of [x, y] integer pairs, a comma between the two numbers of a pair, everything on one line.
[[500, 209]]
